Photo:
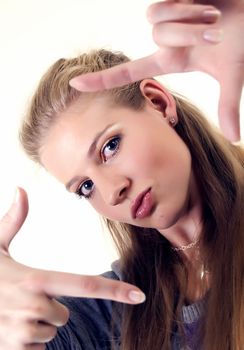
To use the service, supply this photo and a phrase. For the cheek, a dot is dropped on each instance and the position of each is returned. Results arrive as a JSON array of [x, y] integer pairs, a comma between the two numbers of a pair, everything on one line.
[[108, 211], [141, 158], [98, 204], [168, 163]]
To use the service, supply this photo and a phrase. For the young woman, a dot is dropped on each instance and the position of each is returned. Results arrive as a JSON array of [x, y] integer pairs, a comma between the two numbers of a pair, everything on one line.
[[170, 188]]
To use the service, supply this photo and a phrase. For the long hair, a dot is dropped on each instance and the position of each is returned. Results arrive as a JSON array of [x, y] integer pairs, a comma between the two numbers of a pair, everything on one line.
[[146, 257]]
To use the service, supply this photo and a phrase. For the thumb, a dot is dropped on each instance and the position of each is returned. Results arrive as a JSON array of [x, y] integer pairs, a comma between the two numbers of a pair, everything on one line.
[[229, 104], [13, 219]]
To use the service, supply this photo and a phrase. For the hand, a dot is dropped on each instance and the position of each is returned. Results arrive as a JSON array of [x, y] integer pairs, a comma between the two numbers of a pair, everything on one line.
[[29, 314], [186, 44]]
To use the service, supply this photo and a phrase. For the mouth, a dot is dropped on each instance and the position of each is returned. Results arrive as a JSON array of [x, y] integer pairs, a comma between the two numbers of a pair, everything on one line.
[[142, 205]]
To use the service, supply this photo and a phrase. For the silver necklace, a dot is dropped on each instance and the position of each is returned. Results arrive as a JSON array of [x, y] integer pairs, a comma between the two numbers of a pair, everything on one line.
[[185, 247]]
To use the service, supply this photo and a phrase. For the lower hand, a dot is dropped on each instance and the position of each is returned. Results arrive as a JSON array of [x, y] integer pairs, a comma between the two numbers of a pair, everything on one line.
[[29, 313]]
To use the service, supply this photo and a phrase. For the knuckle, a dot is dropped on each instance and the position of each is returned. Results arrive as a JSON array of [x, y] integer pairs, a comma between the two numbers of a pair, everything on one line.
[[28, 333], [88, 284], [125, 74], [195, 38], [33, 280], [118, 292], [228, 112], [38, 309], [157, 11]]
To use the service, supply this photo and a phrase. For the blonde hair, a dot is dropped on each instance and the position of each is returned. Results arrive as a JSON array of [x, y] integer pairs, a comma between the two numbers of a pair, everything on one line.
[[54, 95], [147, 259]]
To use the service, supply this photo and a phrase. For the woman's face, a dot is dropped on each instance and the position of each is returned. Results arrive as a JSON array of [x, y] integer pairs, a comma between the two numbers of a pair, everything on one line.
[[138, 171]]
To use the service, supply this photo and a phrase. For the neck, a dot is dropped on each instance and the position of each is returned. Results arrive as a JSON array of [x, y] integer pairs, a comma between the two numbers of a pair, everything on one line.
[[188, 228]]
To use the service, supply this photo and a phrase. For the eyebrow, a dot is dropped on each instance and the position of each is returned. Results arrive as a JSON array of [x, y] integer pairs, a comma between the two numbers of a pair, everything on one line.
[[90, 153]]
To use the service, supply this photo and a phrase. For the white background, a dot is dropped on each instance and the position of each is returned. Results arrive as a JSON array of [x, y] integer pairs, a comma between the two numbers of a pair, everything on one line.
[[61, 232]]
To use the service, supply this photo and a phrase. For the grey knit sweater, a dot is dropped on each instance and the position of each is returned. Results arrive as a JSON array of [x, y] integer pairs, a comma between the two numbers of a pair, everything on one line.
[[88, 327]]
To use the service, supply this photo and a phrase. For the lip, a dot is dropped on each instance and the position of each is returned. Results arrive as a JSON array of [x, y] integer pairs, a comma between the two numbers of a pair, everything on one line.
[[142, 205]]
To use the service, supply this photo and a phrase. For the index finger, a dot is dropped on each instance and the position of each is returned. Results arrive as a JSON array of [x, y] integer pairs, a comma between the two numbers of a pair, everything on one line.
[[185, 1], [67, 284], [119, 75]]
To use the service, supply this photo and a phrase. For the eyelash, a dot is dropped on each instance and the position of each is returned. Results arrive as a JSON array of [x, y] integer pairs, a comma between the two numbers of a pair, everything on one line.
[[118, 138]]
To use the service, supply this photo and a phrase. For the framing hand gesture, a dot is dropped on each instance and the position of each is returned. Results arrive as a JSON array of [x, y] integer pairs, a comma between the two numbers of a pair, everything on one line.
[[202, 36], [27, 294]]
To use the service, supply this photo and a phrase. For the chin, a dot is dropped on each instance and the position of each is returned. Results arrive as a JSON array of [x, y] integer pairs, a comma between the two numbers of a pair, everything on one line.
[[168, 220]]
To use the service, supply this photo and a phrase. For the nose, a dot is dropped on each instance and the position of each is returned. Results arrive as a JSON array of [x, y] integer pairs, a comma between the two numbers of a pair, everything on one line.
[[114, 188]]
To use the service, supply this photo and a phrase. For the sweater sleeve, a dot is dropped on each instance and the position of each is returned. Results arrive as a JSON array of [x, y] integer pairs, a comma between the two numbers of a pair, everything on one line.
[[89, 325]]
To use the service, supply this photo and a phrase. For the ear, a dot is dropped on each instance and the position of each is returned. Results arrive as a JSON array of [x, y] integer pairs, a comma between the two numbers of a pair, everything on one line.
[[159, 98]]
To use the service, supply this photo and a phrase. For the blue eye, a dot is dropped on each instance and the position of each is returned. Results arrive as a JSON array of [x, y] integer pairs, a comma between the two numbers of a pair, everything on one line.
[[111, 148], [85, 189], [108, 151]]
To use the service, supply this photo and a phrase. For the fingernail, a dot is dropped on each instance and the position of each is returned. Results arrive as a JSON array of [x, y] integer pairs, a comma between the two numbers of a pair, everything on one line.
[[73, 83], [136, 296], [80, 83], [16, 195], [210, 15], [213, 35]]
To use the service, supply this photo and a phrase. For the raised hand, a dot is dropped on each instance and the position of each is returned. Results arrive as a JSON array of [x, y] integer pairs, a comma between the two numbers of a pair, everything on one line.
[[29, 313], [191, 37]]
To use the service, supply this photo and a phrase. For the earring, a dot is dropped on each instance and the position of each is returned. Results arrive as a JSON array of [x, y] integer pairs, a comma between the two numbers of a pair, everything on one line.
[[172, 121]]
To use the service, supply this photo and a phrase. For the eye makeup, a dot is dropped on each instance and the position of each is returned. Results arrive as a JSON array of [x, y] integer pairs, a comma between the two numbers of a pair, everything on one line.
[[112, 145]]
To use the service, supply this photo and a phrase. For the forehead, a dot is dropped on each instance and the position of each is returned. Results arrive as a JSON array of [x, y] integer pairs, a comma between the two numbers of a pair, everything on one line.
[[86, 108]]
